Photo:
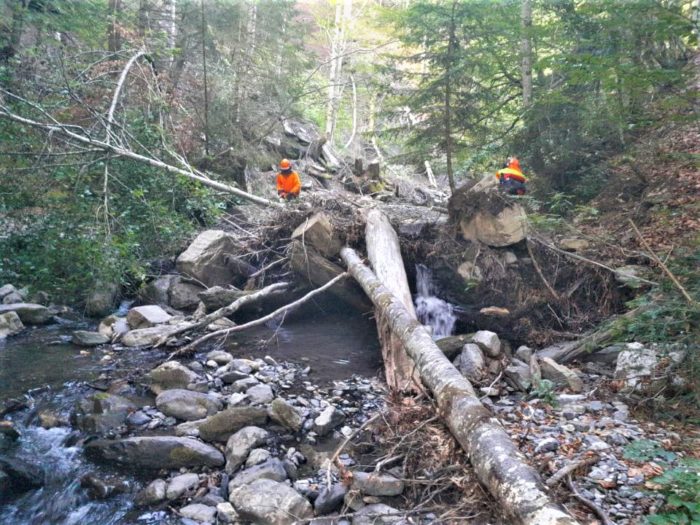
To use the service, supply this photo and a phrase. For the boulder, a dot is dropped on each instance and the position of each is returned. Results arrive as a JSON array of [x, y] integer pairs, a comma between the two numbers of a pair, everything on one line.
[[241, 443], [504, 228], [268, 502], [519, 373], [574, 245], [186, 404], [219, 427], [12, 297], [330, 500], [170, 375], [257, 456], [184, 295], [28, 313], [6, 290], [271, 469], [488, 342], [199, 512], [377, 484], [285, 414], [260, 394], [180, 485], [219, 357], [226, 514], [452, 345], [217, 297], [471, 363], [102, 412], [17, 476], [157, 291], [10, 324], [101, 299], [635, 366], [147, 316], [113, 327], [155, 452], [561, 374], [318, 232], [327, 420], [205, 258], [470, 272], [153, 494], [149, 336], [85, 338]]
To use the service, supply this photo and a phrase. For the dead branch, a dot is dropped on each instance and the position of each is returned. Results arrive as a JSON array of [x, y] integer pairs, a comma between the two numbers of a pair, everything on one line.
[[588, 503], [551, 290], [567, 469]]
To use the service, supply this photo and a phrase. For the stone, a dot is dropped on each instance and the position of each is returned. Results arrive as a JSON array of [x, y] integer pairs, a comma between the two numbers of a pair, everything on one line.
[[471, 363], [147, 336], [330, 500], [240, 444], [183, 295], [189, 428], [157, 291], [152, 494], [19, 476], [205, 258], [327, 420], [257, 456], [285, 414], [260, 394], [635, 366], [85, 338], [147, 316], [452, 345], [155, 452], [629, 276], [574, 245], [199, 512], [374, 484], [218, 296], [180, 485], [495, 311], [377, 514], [272, 469], [113, 326], [242, 385], [13, 297], [226, 514], [9, 430], [101, 299], [10, 324], [219, 427], [488, 342], [186, 404], [267, 502], [318, 232], [137, 419], [561, 374], [170, 375], [470, 272], [220, 357], [28, 313], [505, 228], [548, 444], [509, 257], [524, 353], [102, 412], [6, 290]]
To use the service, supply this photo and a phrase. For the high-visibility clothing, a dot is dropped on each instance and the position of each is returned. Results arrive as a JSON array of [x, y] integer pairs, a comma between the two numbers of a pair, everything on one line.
[[514, 164], [288, 183], [510, 173]]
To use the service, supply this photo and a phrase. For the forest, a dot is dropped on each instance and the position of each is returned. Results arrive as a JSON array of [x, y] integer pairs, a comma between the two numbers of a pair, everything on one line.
[[478, 303]]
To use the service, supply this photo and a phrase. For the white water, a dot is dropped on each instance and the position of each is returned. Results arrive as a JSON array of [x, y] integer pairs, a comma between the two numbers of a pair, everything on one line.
[[431, 310]]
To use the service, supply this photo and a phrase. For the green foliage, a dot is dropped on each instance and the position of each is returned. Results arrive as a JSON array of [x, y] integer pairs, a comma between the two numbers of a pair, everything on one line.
[[544, 390], [647, 450], [681, 486]]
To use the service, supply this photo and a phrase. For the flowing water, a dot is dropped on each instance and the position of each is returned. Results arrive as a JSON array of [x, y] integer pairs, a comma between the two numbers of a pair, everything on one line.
[[430, 309]]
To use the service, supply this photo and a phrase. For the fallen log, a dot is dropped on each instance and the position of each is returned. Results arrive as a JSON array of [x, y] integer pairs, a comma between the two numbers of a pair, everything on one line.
[[497, 462]]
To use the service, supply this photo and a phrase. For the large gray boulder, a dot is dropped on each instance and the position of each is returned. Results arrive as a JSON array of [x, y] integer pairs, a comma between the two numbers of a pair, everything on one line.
[[471, 363], [205, 258], [29, 313], [187, 404], [158, 290], [10, 324], [101, 299], [149, 336], [285, 414], [170, 375], [219, 427], [183, 295], [268, 502], [181, 485], [635, 366], [147, 316], [329, 418], [317, 231], [271, 469], [86, 338], [102, 412], [218, 296], [156, 452], [489, 342], [241, 443], [561, 374], [17, 476]]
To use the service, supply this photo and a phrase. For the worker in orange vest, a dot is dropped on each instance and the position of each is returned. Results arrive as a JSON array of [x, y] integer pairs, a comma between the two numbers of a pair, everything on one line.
[[288, 181], [511, 178]]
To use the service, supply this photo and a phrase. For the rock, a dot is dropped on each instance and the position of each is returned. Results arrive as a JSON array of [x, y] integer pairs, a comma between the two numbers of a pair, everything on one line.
[[226, 514], [327, 420], [12, 297], [240, 444], [102, 412], [268, 502], [100, 488], [6, 290], [113, 326], [470, 272], [10, 324], [548, 444], [452, 345], [272, 469], [509, 257], [9, 430], [186, 404], [28, 313], [244, 384], [374, 484], [155, 452], [260, 394], [561, 374], [180, 485], [377, 514], [318, 232], [170, 375], [330, 500], [257, 456], [504, 227], [524, 353], [19, 476], [152, 494], [471, 362], [183, 295], [488, 342], [189, 428], [220, 357], [157, 291], [205, 258], [285, 414], [629, 276], [495, 311], [219, 427], [147, 336], [199, 512], [101, 299], [574, 245], [147, 316], [635, 366], [217, 297], [85, 338]]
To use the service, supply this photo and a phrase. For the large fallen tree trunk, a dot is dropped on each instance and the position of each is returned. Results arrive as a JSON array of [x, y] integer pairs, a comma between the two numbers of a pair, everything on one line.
[[498, 464]]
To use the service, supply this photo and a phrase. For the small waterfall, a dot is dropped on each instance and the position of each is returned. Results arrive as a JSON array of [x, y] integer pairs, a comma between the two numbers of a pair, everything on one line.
[[431, 310]]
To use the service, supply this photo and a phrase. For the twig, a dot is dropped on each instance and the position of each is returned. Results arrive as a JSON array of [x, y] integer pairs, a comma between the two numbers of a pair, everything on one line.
[[266, 268], [569, 468], [551, 290], [588, 503]]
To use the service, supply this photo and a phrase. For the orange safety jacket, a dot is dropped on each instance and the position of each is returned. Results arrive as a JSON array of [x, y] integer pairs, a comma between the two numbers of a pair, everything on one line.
[[288, 183], [511, 173]]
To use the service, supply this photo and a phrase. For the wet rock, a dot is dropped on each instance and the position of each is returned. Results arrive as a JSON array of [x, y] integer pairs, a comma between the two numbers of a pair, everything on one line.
[[240, 444], [452, 345], [226, 514], [260, 394], [199, 512], [635, 365], [49, 419], [488, 342], [137, 419], [330, 500], [574, 245], [272, 469], [186, 404], [219, 427], [219, 357], [85, 338], [113, 326], [101, 299], [170, 375], [10, 324], [99, 488], [8, 430], [561, 374], [257, 456], [471, 362], [28, 313], [183, 295], [6, 290], [155, 452], [102, 412], [327, 420], [156, 291], [285, 414], [18, 476], [524, 353], [147, 316], [267, 502], [205, 258], [147, 336], [548, 444], [217, 297], [181, 485], [377, 514], [374, 484], [152, 494]]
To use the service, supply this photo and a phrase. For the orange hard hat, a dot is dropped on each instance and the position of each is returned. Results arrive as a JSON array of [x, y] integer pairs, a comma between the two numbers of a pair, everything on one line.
[[285, 164]]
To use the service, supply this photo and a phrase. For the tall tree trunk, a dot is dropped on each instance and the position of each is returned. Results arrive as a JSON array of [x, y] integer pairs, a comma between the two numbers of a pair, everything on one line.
[[343, 15], [526, 51], [143, 20], [451, 44], [206, 84], [171, 26], [113, 38]]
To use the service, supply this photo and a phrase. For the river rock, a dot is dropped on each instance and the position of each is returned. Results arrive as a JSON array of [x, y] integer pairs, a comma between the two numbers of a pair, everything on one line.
[[155, 452], [148, 336], [220, 357], [219, 427], [241, 443], [10, 324], [147, 316], [152, 494], [271, 469], [6, 290], [101, 299], [374, 484], [170, 375], [157, 291], [257, 456], [9, 430], [260, 394], [186, 404], [635, 365], [85, 338], [199, 512], [471, 362], [205, 258], [268, 502], [327, 420], [226, 514], [101, 488], [180, 485], [13, 297], [28, 313], [102, 412], [318, 232], [244, 384], [470, 272], [183, 295], [452, 345], [19, 476], [519, 373], [488, 342], [285, 414], [113, 326], [377, 514], [574, 245], [561, 374], [219, 296], [330, 500]]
